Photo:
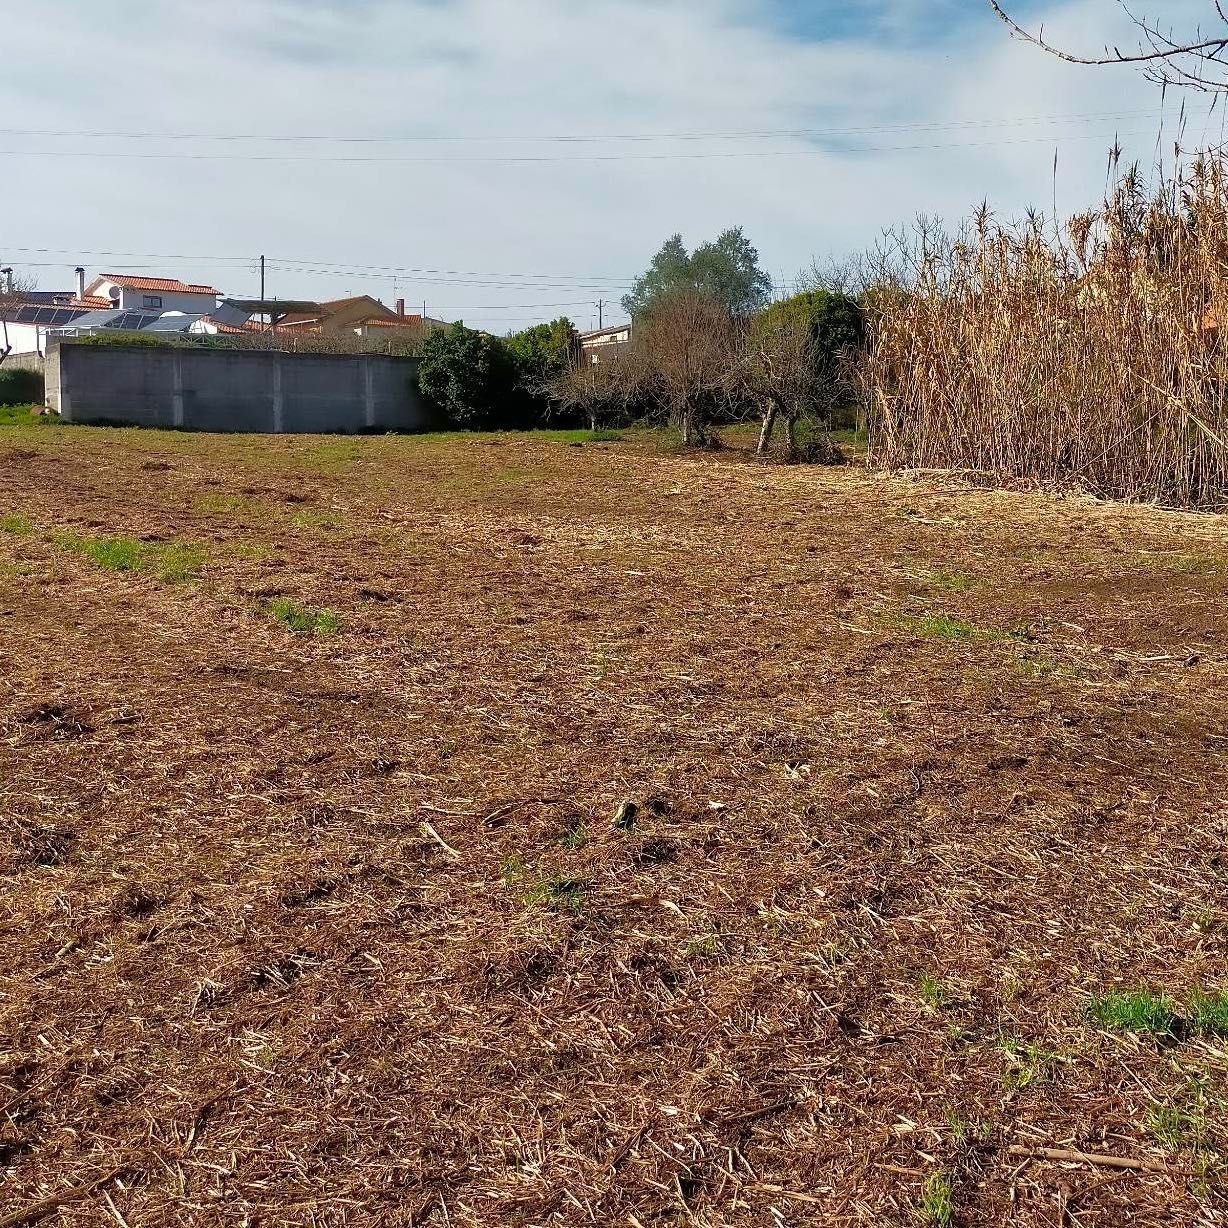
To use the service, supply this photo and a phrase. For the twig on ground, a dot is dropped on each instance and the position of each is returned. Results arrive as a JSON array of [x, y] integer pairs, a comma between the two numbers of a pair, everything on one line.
[[1066, 1156], [439, 840]]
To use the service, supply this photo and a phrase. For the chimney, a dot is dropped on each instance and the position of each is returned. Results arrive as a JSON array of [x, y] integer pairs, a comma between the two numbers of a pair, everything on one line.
[[401, 308], [80, 282]]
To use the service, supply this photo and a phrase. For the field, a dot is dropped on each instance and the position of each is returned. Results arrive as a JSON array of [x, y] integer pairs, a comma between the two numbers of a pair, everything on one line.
[[322, 901]]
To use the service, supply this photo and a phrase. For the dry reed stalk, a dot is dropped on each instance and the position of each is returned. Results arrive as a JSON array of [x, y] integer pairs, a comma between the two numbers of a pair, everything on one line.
[[1087, 354]]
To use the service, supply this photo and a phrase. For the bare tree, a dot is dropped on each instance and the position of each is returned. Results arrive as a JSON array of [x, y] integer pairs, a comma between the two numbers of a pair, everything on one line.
[[601, 390], [13, 291], [686, 353], [779, 370], [1195, 61]]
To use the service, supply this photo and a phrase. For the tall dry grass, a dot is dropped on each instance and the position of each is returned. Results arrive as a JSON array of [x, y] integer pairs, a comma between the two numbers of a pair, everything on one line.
[[1087, 353]]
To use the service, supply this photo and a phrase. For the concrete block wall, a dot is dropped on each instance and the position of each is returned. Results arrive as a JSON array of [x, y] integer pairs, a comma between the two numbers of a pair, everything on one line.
[[25, 362], [258, 391]]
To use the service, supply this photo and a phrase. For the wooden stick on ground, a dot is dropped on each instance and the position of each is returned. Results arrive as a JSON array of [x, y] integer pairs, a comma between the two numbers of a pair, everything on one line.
[[443, 844], [1085, 1157]]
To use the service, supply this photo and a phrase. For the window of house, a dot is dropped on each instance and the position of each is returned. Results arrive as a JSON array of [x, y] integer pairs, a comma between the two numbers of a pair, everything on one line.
[[152, 300]]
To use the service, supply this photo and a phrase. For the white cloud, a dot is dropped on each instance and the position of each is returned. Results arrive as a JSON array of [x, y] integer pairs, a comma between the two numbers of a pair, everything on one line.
[[523, 68]]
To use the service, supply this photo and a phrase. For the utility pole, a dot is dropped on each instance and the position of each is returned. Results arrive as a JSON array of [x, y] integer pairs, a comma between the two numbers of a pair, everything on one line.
[[601, 315]]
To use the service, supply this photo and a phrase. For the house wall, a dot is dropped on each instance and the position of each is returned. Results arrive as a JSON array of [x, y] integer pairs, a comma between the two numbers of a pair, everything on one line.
[[26, 338], [134, 300], [234, 390], [343, 321]]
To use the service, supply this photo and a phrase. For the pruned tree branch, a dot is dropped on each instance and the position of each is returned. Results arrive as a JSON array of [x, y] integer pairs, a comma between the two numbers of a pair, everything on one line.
[[1195, 62]]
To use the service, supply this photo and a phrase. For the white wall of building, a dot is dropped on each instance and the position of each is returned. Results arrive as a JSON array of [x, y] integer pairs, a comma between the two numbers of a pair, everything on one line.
[[26, 338], [136, 300]]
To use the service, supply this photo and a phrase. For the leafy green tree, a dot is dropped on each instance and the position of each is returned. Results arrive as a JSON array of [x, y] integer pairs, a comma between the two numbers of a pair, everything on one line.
[[542, 352], [468, 376], [726, 271]]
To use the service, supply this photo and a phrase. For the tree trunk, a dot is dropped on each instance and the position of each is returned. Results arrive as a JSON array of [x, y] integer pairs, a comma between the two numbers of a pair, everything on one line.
[[765, 433], [791, 437]]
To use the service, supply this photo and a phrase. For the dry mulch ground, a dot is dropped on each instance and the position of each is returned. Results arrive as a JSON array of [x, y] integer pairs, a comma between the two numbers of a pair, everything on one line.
[[353, 926]]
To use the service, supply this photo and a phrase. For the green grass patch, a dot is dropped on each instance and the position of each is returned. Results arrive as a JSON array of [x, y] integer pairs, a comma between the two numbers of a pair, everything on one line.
[[513, 870], [937, 1201], [254, 552], [557, 893], [1137, 1011], [852, 439], [16, 525], [327, 522], [954, 630], [331, 456], [573, 438], [575, 838], [965, 1129], [304, 619], [169, 562], [1178, 1127], [933, 992], [948, 581], [944, 627], [242, 504], [1028, 1064], [1208, 1015], [20, 415]]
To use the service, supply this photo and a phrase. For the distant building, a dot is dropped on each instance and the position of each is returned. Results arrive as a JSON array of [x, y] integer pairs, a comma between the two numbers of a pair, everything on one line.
[[149, 294], [362, 315], [117, 301], [337, 317], [401, 324], [594, 344]]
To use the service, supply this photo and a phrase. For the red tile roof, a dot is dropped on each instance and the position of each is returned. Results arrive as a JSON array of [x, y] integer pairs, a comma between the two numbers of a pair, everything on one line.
[[384, 322], [235, 330], [167, 285], [91, 301]]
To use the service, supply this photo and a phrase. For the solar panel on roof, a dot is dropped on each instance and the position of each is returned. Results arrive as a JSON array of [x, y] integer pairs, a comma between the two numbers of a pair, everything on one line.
[[172, 323], [48, 317], [96, 319]]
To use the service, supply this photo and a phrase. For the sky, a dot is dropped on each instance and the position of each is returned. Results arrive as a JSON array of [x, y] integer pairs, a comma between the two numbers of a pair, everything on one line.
[[509, 161]]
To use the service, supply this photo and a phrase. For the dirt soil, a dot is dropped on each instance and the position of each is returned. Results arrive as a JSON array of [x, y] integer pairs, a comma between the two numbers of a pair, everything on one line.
[[303, 928]]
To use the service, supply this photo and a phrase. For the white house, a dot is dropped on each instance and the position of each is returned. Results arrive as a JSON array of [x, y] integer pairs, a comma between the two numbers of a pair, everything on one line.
[[592, 344], [152, 294]]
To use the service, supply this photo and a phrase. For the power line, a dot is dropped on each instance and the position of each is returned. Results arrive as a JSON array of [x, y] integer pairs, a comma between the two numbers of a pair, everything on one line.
[[288, 264], [335, 273], [592, 138], [583, 302], [538, 159]]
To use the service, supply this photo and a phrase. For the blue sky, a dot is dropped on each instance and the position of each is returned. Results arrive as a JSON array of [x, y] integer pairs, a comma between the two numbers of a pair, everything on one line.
[[865, 114]]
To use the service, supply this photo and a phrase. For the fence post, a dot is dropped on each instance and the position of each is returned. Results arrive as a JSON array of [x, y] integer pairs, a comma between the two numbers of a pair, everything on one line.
[[368, 373], [278, 404], [63, 399], [177, 387]]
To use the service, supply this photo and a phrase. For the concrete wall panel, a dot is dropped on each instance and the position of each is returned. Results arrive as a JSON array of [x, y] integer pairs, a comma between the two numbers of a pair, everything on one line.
[[234, 390]]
